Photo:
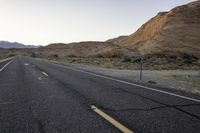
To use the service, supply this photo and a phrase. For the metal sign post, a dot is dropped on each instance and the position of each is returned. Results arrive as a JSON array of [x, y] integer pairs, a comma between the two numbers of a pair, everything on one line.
[[141, 65], [139, 59]]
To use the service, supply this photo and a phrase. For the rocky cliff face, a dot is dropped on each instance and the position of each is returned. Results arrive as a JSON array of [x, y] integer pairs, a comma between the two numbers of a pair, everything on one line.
[[168, 33]]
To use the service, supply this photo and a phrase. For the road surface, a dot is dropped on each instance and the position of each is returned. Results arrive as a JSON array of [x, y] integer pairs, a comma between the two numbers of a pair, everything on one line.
[[42, 97]]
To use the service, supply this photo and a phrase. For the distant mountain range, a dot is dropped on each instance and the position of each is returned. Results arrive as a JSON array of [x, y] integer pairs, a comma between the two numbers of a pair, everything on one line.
[[6, 44]]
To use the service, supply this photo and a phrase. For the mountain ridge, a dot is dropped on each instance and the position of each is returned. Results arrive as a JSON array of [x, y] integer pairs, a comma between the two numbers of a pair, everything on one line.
[[7, 45]]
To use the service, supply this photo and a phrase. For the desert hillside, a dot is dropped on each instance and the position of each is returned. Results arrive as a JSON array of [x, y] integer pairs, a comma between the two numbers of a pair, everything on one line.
[[82, 49], [6, 45], [168, 33]]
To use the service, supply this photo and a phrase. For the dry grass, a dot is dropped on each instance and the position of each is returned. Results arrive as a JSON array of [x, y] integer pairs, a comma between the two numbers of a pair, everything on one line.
[[2, 59], [153, 63]]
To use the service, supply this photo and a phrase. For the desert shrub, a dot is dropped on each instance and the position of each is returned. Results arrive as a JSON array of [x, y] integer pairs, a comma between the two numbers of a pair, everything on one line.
[[71, 55], [174, 76], [72, 61], [172, 57], [55, 55], [151, 82], [108, 65], [113, 54], [33, 54], [188, 58], [99, 56], [11, 55], [126, 59]]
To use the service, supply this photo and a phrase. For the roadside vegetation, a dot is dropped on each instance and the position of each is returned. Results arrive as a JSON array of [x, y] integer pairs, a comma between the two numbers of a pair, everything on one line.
[[185, 62], [3, 57]]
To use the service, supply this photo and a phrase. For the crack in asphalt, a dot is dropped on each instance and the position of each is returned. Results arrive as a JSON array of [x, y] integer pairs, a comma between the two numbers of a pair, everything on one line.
[[159, 107], [188, 113], [149, 109]]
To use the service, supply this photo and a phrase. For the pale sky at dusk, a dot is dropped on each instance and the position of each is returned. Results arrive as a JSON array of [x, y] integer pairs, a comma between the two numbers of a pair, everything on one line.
[[40, 22]]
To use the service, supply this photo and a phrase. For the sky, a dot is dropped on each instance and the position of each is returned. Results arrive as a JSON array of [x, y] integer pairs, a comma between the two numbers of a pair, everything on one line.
[[41, 22]]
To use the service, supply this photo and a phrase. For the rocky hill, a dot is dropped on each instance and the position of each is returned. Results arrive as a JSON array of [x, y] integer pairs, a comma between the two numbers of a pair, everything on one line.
[[168, 33], [82, 49], [6, 44]]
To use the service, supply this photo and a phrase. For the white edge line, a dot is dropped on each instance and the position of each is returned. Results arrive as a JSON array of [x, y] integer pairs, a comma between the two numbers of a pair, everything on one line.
[[133, 84], [5, 65], [45, 73]]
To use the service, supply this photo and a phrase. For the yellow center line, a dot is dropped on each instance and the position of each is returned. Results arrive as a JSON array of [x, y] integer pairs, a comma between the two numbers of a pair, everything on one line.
[[111, 120]]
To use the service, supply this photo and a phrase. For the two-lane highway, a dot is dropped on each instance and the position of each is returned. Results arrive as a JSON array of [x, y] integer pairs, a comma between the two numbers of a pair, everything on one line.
[[43, 97]]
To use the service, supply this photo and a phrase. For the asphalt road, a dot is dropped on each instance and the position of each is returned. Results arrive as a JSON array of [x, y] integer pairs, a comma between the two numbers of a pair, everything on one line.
[[41, 97]]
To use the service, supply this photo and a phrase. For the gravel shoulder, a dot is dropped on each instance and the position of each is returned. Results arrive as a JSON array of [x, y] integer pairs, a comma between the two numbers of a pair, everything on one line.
[[184, 80]]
